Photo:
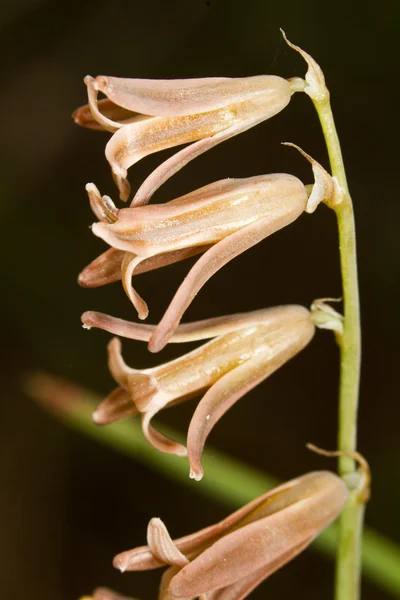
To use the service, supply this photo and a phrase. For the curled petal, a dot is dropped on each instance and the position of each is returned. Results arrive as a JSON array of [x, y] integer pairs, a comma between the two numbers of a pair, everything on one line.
[[161, 545], [219, 398], [129, 264], [116, 364], [213, 260], [158, 440], [233, 557], [111, 117], [141, 386], [115, 114], [118, 405]]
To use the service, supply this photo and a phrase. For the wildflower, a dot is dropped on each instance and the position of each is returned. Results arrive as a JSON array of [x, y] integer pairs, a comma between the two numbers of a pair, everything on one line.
[[246, 348], [222, 220], [229, 559], [151, 115]]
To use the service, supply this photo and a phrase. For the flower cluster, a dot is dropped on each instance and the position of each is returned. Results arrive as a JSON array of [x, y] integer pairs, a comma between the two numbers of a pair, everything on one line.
[[219, 221]]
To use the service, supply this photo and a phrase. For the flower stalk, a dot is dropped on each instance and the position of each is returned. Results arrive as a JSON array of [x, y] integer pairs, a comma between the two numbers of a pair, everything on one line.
[[351, 521]]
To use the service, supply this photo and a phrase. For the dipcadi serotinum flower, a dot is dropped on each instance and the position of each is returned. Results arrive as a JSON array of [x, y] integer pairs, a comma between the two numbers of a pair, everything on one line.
[[246, 348], [149, 115], [226, 561], [222, 220]]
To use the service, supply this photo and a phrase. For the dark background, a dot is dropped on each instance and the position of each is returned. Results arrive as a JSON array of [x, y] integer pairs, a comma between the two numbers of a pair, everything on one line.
[[67, 505]]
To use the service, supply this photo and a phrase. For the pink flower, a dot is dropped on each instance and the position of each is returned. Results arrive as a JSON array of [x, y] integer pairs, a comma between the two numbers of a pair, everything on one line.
[[222, 220], [229, 559], [246, 348], [151, 115]]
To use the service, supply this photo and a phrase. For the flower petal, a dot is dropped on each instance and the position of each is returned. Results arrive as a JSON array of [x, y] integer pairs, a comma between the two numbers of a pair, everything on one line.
[[118, 405], [185, 332], [116, 364], [105, 269], [110, 118], [158, 440], [113, 114], [213, 260], [140, 385], [129, 264], [219, 398], [162, 546], [179, 97]]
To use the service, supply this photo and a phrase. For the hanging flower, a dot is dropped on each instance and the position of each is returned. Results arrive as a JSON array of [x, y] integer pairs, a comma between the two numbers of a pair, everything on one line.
[[222, 220], [246, 348], [229, 559], [150, 115]]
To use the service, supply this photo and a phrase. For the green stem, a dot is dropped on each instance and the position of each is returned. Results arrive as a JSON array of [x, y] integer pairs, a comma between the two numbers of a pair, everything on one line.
[[351, 521]]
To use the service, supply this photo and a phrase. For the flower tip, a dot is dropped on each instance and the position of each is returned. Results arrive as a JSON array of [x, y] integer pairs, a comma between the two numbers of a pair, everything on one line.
[[97, 418], [155, 345], [78, 117], [143, 312], [196, 474], [119, 563], [83, 279], [90, 187], [86, 319]]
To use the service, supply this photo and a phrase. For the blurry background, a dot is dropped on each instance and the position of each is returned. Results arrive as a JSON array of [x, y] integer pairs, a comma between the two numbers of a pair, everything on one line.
[[68, 505]]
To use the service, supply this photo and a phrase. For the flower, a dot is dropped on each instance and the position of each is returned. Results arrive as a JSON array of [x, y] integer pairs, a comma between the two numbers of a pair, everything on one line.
[[222, 220], [229, 559], [151, 115], [246, 348]]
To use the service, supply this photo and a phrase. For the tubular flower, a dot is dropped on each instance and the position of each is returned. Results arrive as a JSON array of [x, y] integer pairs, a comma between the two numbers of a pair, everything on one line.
[[222, 220], [151, 115], [246, 348], [226, 561]]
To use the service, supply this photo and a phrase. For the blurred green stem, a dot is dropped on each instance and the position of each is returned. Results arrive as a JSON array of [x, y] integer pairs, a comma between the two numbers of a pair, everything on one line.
[[230, 481], [351, 520]]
